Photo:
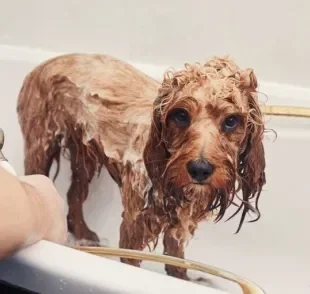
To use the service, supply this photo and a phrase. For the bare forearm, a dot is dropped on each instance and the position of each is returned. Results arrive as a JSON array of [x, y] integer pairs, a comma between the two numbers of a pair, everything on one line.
[[24, 214]]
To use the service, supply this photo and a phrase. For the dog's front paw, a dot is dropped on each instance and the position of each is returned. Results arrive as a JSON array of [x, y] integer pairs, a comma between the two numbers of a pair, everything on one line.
[[177, 272]]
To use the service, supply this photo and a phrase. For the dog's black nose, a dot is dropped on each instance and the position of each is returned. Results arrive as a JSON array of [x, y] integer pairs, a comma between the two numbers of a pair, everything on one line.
[[200, 169]]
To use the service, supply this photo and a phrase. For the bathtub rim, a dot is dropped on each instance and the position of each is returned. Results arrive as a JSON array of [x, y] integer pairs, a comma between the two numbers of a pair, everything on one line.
[[45, 267]]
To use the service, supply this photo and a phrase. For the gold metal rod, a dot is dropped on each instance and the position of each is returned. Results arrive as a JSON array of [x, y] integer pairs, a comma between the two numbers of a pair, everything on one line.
[[247, 286], [292, 111]]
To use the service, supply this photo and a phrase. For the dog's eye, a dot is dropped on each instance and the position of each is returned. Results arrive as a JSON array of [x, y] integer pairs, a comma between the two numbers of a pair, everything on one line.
[[230, 123], [181, 117]]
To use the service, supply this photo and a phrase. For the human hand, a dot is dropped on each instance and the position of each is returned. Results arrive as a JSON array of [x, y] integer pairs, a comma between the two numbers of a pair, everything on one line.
[[53, 217]]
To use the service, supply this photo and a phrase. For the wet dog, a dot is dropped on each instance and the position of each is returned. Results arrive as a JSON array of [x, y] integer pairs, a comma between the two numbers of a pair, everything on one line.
[[181, 150]]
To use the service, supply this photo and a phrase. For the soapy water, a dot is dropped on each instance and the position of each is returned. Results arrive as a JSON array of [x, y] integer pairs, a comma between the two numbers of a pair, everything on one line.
[[200, 278], [72, 241]]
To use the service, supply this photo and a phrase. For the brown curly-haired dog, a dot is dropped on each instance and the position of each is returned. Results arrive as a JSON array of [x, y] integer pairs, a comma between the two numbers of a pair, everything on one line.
[[179, 151]]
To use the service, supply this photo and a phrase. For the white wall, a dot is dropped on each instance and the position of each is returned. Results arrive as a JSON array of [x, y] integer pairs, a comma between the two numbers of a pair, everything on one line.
[[270, 36]]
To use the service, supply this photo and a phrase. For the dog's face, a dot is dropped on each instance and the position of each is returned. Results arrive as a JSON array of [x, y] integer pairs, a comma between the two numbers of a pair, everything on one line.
[[206, 137]]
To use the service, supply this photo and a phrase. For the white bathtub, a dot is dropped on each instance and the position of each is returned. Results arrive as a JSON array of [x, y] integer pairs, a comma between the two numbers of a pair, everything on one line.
[[273, 252]]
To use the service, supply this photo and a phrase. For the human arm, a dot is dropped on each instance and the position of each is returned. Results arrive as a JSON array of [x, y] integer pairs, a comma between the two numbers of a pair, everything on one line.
[[30, 210]]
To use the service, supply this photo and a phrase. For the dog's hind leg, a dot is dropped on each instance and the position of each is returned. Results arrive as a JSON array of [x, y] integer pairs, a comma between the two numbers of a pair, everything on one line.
[[83, 170], [40, 155]]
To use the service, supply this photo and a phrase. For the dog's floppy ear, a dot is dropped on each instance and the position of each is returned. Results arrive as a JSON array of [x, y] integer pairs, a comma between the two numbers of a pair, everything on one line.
[[251, 168], [155, 153]]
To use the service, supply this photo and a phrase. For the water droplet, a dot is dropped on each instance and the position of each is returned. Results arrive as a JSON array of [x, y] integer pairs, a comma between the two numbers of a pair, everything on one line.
[[61, 288]]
